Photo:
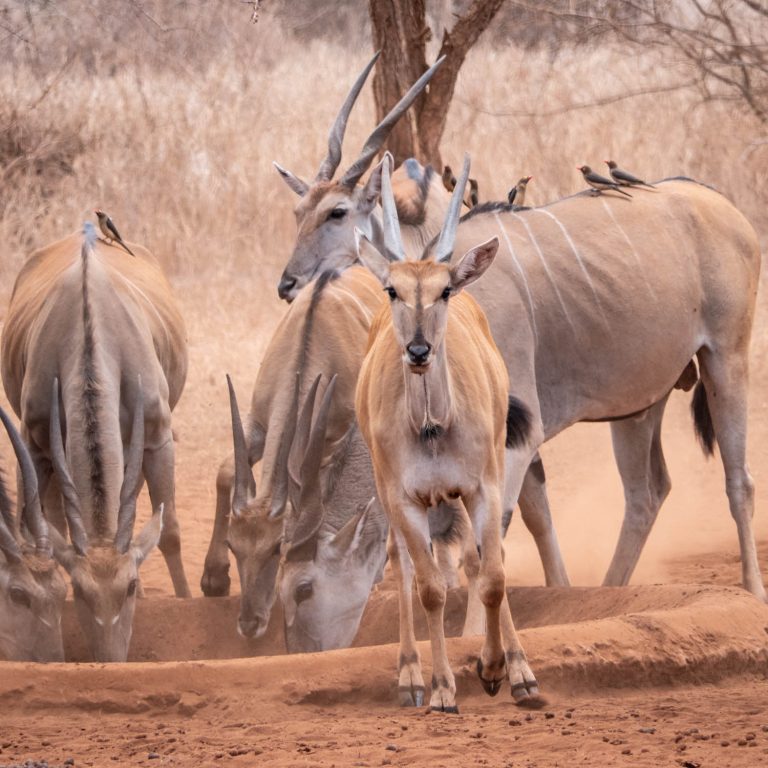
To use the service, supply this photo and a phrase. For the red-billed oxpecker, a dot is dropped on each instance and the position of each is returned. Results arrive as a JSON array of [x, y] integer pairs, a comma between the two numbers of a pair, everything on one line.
[[599, 183], [624, 178]]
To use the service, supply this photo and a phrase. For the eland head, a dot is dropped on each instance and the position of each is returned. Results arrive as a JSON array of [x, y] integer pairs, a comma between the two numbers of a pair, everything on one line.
[[104, 573], [419, 291], [32, 587], [330, 210], [335, 534]]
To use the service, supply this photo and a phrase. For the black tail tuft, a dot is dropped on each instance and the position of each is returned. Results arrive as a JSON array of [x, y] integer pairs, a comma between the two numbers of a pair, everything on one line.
[[518, 423], [702, 419]]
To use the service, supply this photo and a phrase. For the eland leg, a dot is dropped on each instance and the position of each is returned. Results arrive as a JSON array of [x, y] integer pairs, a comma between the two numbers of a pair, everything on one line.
[[474, 621], [215, 580], [410, 680], [640, 460], [534, 507], [484, 509], [725, 383], [158, 470], [411, 521], [525, 689]]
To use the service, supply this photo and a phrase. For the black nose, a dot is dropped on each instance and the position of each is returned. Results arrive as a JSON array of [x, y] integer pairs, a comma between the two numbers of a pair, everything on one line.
[[418, 352], [286, 286], [250, 627]]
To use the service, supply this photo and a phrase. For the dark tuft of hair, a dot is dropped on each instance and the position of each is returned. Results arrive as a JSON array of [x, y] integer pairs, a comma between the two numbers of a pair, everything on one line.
[[444, 523], [430, 432], [519, 423], [702, 420]]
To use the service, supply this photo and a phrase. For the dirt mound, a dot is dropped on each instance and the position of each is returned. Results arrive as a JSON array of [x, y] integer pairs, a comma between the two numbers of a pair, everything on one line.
[[576, 639]]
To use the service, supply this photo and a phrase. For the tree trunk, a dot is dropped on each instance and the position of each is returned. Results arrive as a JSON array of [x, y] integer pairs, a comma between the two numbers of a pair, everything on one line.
[[401, 33]]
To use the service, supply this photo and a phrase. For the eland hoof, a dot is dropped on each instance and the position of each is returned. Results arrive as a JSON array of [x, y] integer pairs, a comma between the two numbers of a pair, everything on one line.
[[215, 583], [491, 687], [452, 710], [411, 696]]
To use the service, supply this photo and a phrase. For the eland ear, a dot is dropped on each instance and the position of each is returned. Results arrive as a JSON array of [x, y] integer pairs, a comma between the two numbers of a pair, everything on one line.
[[473, 264], [149, 537], [349, 540], [372, 188], [370, 257], [294, 182]]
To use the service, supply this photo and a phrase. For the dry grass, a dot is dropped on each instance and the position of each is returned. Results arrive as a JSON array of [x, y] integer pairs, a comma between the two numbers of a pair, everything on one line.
[[174, 133]]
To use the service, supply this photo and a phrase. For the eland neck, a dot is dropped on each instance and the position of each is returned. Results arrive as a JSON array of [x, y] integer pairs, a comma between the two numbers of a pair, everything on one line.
[[428, 396]]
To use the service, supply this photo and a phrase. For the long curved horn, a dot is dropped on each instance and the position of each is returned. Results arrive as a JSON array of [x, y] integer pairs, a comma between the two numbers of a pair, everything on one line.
[[32, 512], [243, 472], [313, 456], [336, 136], [393, 242], [279, 476], [71, 500], [133, 479], [378, 137], [444, 247], [8, 544], [309, 515], [300, 441]]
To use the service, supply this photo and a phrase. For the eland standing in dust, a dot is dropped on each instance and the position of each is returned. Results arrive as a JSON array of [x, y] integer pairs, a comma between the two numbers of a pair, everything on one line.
[[94, 359], [433, 405]]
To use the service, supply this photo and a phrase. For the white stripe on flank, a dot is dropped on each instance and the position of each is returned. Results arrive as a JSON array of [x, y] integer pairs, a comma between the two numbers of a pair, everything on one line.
[[546, 269], [136, 290], [632, 246], [577, 255], [368, 314], [521, 271]]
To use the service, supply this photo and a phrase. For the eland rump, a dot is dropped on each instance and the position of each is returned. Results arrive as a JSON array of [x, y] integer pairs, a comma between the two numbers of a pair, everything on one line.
[[94, 359]]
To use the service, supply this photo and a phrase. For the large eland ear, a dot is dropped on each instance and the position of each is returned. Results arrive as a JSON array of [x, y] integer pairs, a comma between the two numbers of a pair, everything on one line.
[[372, 188], [63, 552], [149, 537], [294, 182], [370, 257], [350, 541], [473, 264]]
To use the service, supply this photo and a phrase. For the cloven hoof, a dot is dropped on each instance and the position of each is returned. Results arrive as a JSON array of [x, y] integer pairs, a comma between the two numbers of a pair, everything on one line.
[[454, 710], [215, 583], [534, 701], [411, 696], [491, 687]]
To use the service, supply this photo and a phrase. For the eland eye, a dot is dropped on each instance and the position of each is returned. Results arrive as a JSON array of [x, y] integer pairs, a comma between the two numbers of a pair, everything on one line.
[[303, 592], [276, 550], [131, 588], [446, 294], [337, 213], [20, 597], [391, 292]]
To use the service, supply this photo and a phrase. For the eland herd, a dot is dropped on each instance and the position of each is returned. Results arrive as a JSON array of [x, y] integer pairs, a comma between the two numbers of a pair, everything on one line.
[[397, 414]]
